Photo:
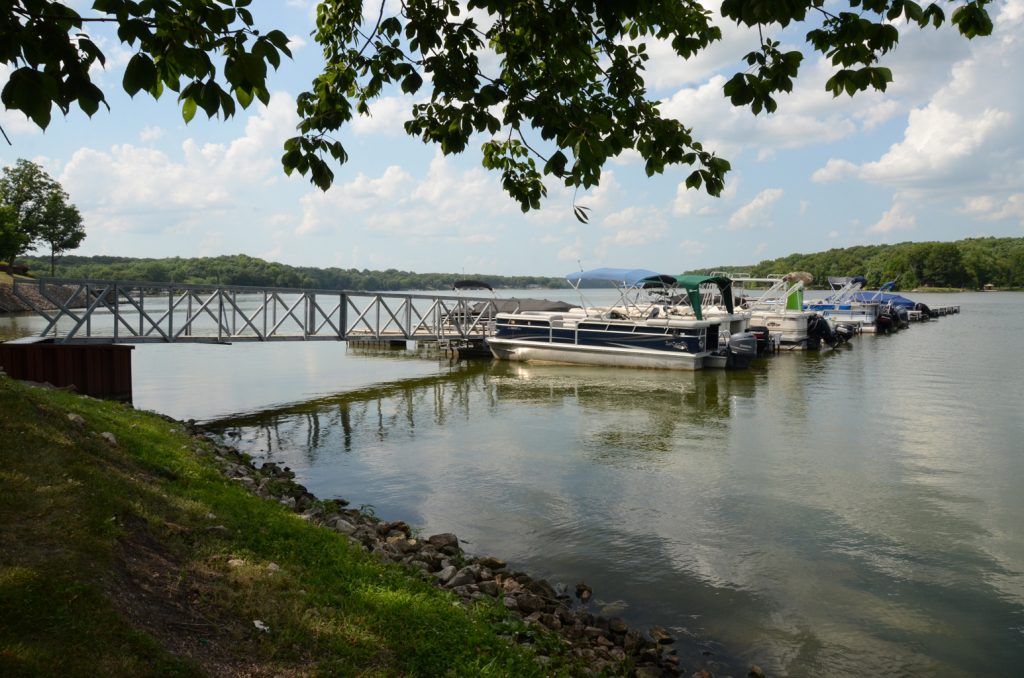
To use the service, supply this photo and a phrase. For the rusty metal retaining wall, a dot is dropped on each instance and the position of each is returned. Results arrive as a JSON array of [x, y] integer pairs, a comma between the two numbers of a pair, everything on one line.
[[102, 371]]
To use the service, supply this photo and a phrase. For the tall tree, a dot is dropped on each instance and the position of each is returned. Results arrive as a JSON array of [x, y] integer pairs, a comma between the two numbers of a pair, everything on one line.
[[61, 227], [12, 239], [38, 209], [563, 94]]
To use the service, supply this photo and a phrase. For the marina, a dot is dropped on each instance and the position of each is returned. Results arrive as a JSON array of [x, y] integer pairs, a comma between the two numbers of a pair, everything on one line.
[[842, 512], [834, 512]]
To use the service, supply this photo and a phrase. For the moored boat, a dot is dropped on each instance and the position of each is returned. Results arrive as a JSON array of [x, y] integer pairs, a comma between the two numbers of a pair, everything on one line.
[[634, 332], [841, 306], [776, 303]]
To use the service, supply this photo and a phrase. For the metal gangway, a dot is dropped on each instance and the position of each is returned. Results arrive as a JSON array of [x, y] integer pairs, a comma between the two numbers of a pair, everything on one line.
[[136, 312]]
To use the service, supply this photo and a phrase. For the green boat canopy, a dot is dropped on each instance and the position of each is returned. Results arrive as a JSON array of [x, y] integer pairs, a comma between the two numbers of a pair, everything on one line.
[[691, 285]]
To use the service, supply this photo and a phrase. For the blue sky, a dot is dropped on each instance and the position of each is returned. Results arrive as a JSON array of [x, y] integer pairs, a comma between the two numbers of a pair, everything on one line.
[[940, 156]]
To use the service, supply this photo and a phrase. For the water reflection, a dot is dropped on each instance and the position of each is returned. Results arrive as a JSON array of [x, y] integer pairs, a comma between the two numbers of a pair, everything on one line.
[[843, 513], [847, 513]]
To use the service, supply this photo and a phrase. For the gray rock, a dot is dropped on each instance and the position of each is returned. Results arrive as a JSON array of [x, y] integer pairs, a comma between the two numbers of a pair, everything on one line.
[[463, 577], [446, 542], [466, 591], [339, 524], [551, 621], [492, 563], [756, 672], [661, 636], [510, 603], [76, 419], [446, 573], [542, 588], [529, 603], [109, 437], [489, 587]]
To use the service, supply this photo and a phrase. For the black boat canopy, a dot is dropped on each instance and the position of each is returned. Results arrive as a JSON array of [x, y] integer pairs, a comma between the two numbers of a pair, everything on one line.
[[471, 285]]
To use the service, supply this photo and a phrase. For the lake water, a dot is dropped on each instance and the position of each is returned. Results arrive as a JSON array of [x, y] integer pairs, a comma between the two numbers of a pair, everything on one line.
[[846, 513]]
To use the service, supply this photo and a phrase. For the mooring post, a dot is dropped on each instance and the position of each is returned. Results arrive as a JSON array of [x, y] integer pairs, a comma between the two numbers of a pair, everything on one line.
[[343, 316]]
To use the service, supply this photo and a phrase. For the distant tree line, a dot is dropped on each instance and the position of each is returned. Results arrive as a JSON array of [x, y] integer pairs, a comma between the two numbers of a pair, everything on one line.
[[240, 269], [967, 264]]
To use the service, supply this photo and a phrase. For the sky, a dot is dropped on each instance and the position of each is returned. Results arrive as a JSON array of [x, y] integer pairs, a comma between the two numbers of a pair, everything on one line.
[[938, 156]]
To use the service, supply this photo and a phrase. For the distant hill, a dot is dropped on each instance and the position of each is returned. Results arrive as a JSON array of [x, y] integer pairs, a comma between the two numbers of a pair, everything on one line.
[[968, 264], [241, 269]]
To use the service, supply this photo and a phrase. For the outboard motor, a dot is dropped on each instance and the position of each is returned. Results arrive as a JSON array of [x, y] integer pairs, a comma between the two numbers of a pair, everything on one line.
[[844, 332], [741, 350], [819, 330], [762, 337], [926, 313], [883, 324]]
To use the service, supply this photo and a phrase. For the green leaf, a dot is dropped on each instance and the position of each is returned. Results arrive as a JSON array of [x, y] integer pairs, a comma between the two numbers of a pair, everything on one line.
[[412, 82], [188, 109], [244, 96], [139, 74]]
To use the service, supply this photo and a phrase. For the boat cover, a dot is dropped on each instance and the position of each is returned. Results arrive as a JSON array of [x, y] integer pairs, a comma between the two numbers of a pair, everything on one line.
[[884, 298]]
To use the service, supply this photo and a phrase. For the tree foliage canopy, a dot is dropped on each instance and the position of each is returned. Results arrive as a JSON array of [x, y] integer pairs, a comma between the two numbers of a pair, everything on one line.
[[556, 87], [35, 211], [971, 264]]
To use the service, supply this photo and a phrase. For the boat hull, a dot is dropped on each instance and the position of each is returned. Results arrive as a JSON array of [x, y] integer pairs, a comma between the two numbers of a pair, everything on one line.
[[863, 314], [608, 339], [577, 354], [790, 325]]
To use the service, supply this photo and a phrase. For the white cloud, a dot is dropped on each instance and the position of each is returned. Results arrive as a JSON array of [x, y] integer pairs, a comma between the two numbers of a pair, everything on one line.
[[834, 170], [387, 116], [447, 204], [325, 212], [990, 208], [150, 133], [937, 144], [667, 69], [635, 226], [689, 201], [755, 212], [573, 252], [964, 137], [897, 218], [129, 188]]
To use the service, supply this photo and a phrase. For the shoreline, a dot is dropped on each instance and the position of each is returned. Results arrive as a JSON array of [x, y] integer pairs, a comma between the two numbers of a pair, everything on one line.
[[602, 643]]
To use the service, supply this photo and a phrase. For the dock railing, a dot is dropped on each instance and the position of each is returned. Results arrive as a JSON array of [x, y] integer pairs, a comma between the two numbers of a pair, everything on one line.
[[92, 311]]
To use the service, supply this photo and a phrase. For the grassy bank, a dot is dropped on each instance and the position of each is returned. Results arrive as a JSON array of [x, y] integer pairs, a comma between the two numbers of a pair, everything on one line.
[[124, 551]]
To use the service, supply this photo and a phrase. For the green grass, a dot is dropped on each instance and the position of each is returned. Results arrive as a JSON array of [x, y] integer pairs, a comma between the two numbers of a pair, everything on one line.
[[142, 559]]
